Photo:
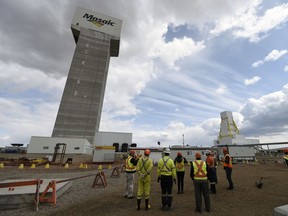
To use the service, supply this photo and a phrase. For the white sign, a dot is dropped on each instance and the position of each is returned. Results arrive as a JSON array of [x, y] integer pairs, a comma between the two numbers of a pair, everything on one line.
[[96, 21]]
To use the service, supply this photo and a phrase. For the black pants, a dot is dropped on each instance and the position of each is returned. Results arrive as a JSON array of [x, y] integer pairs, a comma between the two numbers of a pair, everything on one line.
[[228, 171], [201, 188], [180, 180], [166, 190]]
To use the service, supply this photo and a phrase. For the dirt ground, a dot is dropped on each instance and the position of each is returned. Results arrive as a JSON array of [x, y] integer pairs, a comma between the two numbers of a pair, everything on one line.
[[246, 199]]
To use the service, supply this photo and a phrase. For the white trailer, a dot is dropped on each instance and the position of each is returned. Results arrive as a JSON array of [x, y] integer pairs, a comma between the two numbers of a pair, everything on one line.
[[103, 154], [46, 145]]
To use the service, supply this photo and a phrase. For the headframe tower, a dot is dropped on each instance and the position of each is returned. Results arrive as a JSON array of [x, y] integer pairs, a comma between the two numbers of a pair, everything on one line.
[[97, 38]]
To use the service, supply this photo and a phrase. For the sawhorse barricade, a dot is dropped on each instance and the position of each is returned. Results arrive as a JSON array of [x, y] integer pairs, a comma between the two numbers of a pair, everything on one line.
[[100, 180]]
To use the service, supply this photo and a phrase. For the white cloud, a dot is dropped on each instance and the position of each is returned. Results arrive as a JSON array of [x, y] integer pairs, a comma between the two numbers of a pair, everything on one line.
[[267, 115], [247, 24], [221, 89], [252, 81], [286, 68], [177, 49], [272, 56], [22, 119], [275, 54], [18, 79]]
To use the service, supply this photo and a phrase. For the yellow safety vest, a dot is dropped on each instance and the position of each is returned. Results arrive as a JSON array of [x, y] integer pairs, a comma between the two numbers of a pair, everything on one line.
[[285, 157], [145, 165], [200, 171], [129, 165], [166, 167]]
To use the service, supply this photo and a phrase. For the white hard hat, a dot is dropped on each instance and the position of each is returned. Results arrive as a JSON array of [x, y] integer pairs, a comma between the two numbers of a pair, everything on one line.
[[166, 151], [208, 152]]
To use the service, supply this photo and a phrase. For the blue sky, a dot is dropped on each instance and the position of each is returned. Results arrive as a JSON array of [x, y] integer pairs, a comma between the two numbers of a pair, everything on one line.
[[180, 65]]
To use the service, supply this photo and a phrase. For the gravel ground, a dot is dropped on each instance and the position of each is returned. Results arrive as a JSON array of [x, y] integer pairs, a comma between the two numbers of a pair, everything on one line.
[[81, 188], [82, 199]]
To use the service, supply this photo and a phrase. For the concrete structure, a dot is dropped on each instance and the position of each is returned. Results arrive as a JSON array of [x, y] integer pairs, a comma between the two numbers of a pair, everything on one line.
[[281, 211], [230, 137], [229, 133], [23, 196], [46, 145], [97, 37]]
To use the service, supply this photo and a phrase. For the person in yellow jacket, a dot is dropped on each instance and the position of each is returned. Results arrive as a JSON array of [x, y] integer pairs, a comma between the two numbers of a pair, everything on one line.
[[180, 162], [166, 173], [198, 174], [130, 168], [144, 167]]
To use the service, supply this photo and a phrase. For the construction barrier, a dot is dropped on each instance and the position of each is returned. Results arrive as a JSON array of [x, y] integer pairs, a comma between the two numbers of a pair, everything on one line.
[[99, 181], [37, 182]]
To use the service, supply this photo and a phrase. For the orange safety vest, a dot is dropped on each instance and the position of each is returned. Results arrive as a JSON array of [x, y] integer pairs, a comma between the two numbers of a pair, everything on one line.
[[180, 166], [230, 161], [200, 170], [129, 165]]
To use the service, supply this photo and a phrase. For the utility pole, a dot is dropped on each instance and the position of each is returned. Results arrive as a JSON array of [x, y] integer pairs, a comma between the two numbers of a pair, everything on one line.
[[183, 140]]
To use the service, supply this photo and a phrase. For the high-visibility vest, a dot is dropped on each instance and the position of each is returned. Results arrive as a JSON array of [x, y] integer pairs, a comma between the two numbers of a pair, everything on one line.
[[230, 161], [145, 165], [166, 167], [180, 166], [200, 170], [129, 166], [285, 157]]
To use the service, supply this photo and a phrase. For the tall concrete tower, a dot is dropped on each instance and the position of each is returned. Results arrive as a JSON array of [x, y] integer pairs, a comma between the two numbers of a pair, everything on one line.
[[98, 38], [228, 126], [229, 133]]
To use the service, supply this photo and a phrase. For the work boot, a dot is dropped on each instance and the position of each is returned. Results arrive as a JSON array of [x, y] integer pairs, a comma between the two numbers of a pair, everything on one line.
[[147, 206], [213, 189], [138, 204]]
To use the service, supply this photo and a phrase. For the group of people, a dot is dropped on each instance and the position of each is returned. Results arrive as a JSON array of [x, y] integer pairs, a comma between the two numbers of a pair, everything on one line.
[[202, 173]]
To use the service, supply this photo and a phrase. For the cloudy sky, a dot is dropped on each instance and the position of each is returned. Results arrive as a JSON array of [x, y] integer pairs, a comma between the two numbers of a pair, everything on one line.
[[181, 63]]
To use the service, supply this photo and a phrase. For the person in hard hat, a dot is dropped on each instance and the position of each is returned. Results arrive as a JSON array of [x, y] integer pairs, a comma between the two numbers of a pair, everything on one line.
[[179, 162], [199, 173], [285, 157], [227, 163], [144, 167], [130, 168], [166, 173], [210, 161]]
